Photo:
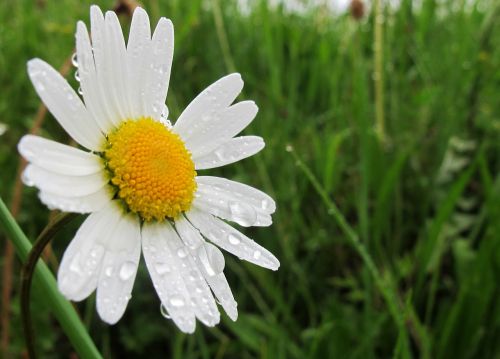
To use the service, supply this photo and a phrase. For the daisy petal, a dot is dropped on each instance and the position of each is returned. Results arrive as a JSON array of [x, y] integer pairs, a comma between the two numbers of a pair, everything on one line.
[[162, 52], [201, 298], [104, 66], [85, 204], [81, 263], [88, 79], [228, 238], [213, 99], [230, 151], [222, 126], [234, 201], [115, 65], [64, 104], [164, 268], [219, 285], [217, 281], [63, 185], [58, 158], [119, 268], [139, 43]]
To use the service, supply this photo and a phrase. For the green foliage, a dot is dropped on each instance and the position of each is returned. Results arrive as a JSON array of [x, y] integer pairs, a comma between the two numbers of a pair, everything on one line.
[[426, 203]]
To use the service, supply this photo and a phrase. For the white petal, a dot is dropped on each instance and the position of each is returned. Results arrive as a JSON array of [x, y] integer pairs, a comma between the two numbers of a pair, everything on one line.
[[164, 269], [138, 48], [189, 235], [119, 268], [219, 127], [234, 201], [58, 158], [162, 52], [233, 241], [116, 65], [81, 263], [85, 204], [219, 285], [231, 151], [217, 281], [64, 104], [94, 99], [213, 99], [63, 185], [200, 297], [103, 62]]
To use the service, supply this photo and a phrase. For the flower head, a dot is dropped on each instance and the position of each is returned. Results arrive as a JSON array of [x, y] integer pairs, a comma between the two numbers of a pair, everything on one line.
[[137, 176]]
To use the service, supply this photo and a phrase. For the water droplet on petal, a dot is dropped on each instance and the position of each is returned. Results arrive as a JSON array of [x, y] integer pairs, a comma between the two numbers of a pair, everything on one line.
[[75, 264], [211, 258], [109, 271], [242, 213], [162, 268], [127, 270], [233, 239], [177, 301], [257, 254], [27, 180], [74, 60], [181, 253], [164, 312]]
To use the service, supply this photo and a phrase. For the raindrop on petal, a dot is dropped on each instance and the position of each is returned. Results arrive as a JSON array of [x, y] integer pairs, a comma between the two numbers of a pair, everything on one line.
[[242, 213], [177, 301], [127, 270], [164, 312], [211, 258]]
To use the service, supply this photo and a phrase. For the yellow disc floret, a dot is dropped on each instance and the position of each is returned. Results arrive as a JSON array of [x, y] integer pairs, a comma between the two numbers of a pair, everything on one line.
[[151, 169]]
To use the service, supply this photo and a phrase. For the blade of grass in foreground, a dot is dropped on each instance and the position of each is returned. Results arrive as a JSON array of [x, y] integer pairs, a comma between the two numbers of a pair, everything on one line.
[[62, 309]]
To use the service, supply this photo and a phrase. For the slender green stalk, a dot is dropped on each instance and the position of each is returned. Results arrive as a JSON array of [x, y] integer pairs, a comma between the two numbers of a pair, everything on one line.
[[385, 288], [62, 309], [222, 36], [27, 274], [378, 74]]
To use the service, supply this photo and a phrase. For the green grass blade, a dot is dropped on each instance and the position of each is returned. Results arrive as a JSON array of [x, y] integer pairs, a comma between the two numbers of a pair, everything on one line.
[[62, 309]]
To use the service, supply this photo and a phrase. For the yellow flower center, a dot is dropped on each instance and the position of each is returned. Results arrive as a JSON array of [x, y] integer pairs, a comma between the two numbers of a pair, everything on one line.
[[151, 169]]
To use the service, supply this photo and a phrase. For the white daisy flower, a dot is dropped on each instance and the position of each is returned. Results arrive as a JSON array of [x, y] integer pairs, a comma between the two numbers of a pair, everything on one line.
[[138, 177]]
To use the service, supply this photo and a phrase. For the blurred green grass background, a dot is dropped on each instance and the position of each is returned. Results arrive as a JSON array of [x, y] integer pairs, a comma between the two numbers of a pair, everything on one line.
[[425, 202]]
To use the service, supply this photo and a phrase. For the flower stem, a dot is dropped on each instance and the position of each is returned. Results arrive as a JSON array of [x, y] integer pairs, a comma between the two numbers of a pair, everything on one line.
[[385, 288], [27, 275], [62, 309]]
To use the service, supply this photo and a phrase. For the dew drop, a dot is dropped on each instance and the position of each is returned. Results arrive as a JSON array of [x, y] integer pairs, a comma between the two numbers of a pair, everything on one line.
[[181, 253], [75, 264], [164, 312], [108, 271], [162, 268], [233, 239], [211, 258], [27, 180], [127, 270], [80, 91], [40, 86], [177, 301], [257, 254], [74, 60], [77, 76], [242, 213]]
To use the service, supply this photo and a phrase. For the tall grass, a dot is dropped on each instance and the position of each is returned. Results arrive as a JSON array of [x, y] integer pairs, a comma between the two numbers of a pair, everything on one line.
[[425, 202]]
